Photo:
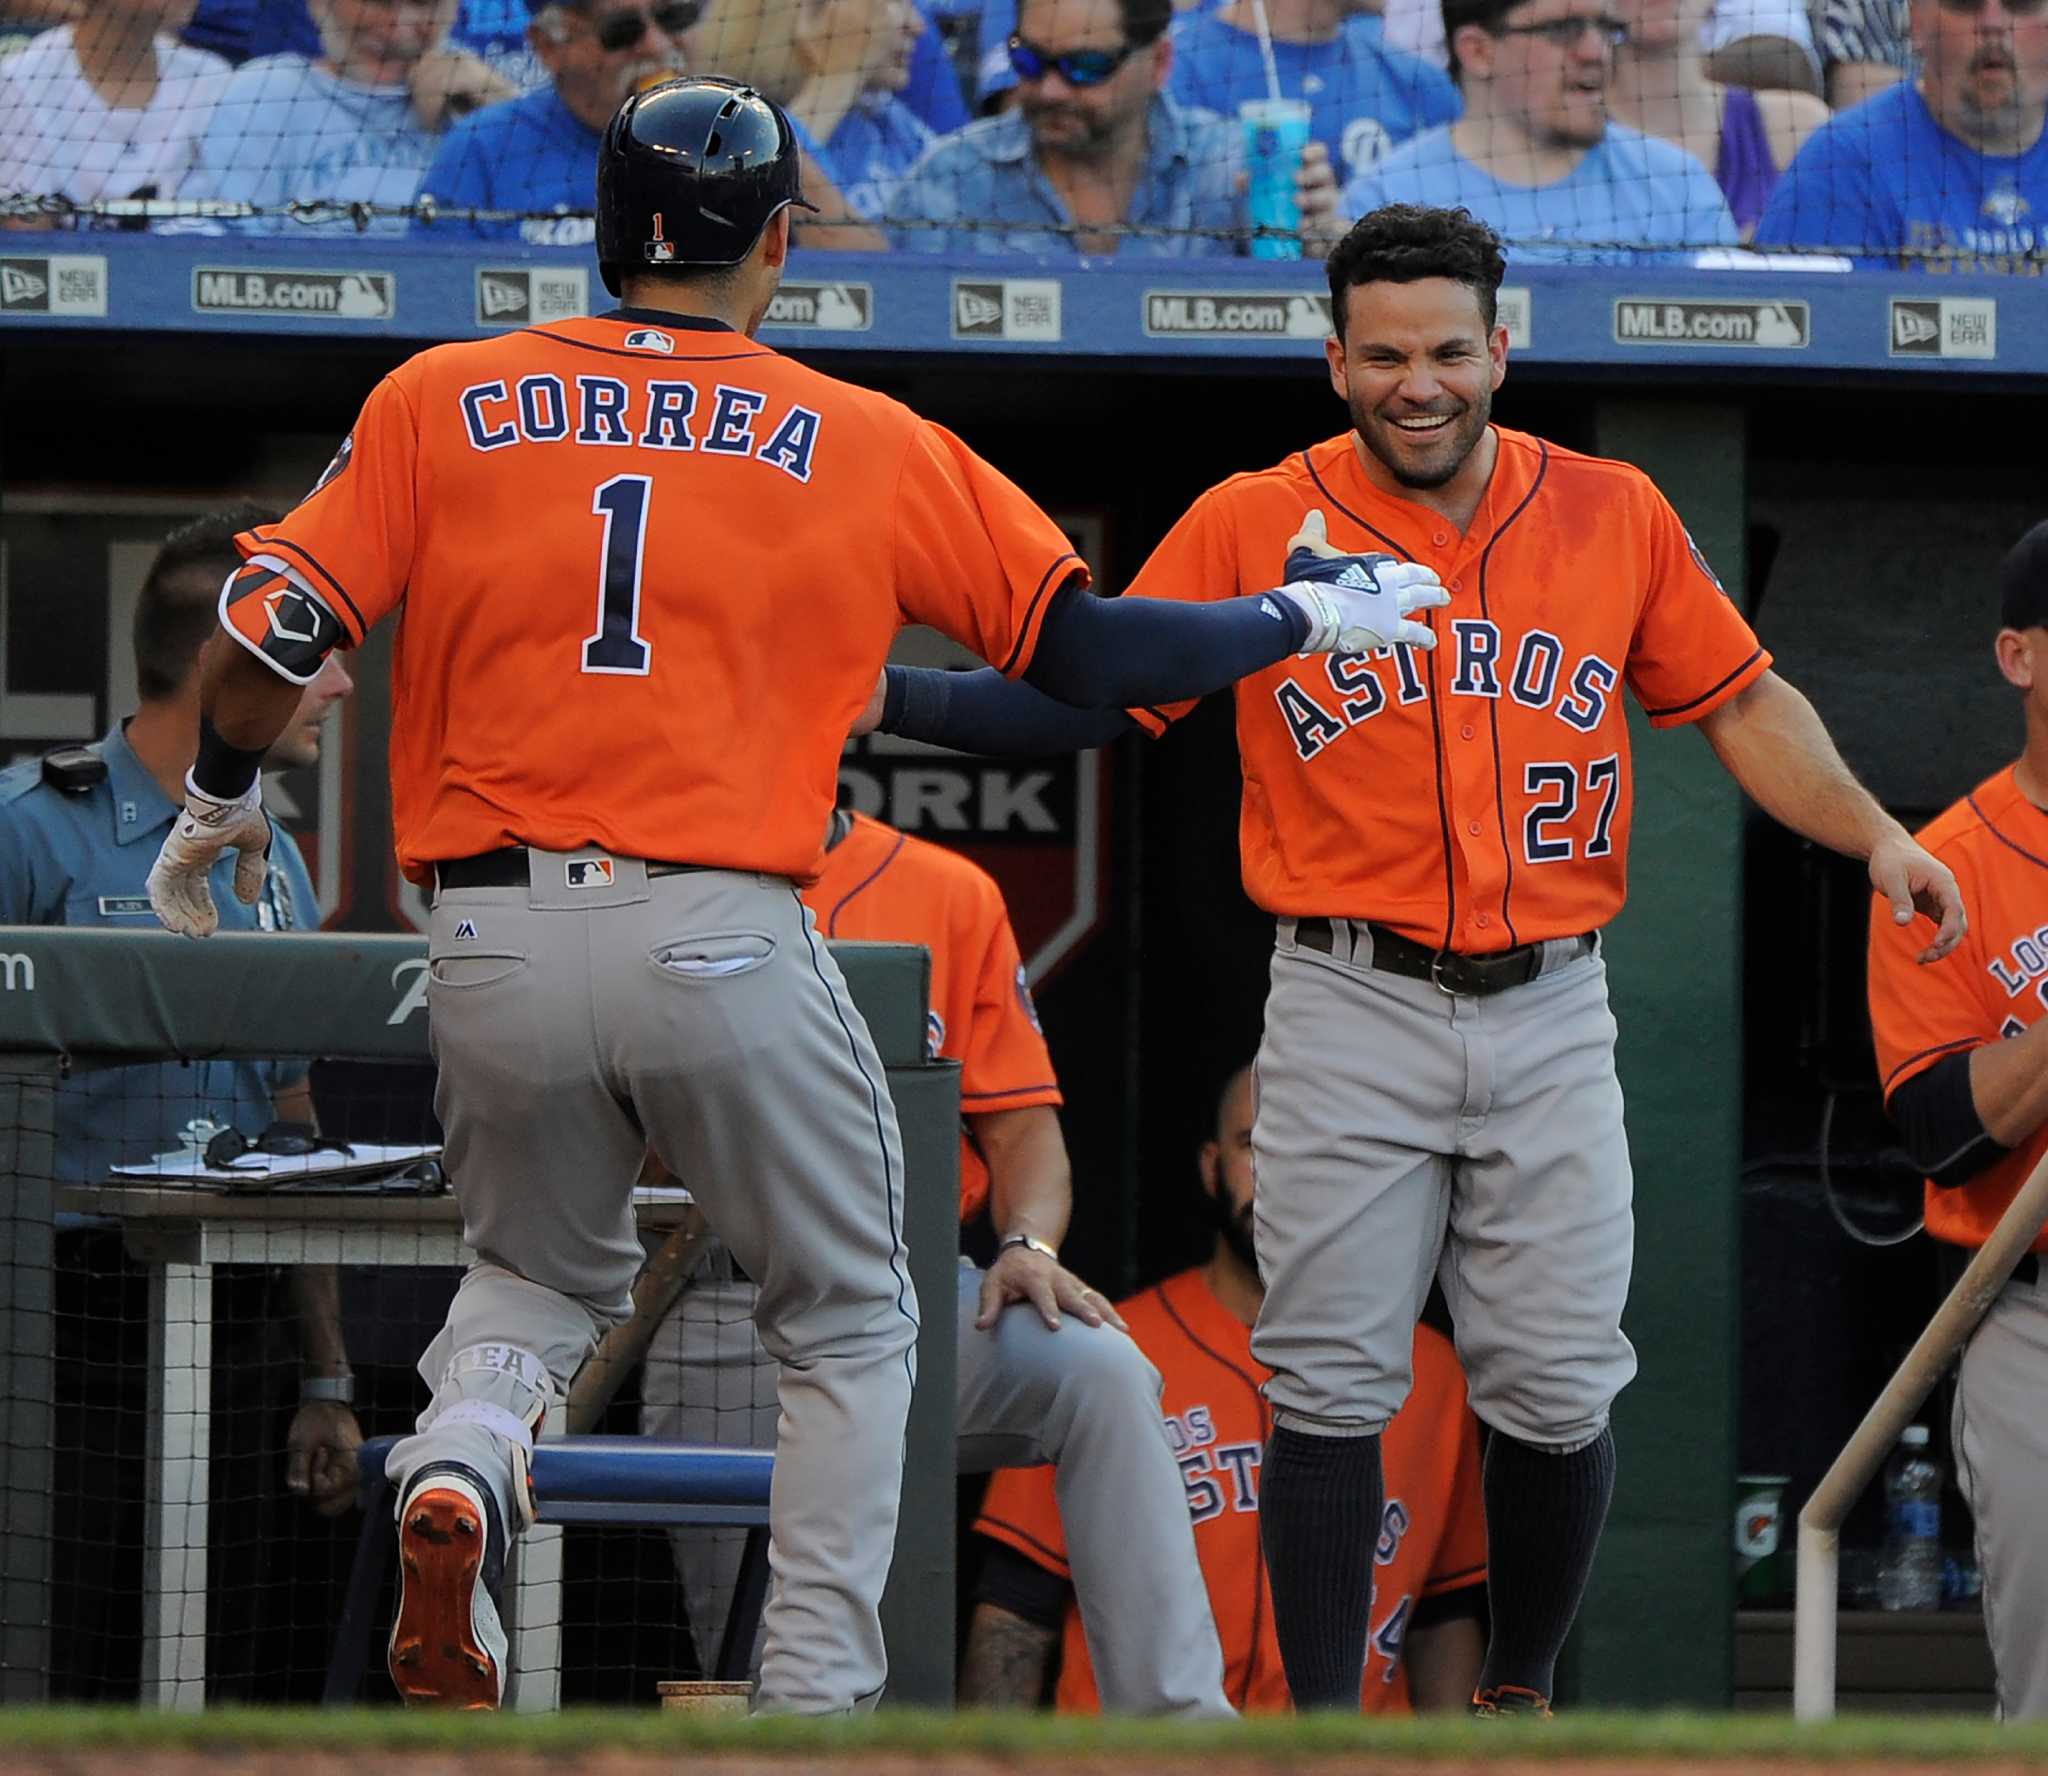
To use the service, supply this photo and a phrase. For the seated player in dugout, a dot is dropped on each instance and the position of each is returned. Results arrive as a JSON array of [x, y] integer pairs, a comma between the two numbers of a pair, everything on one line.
[[1429, 1593], [1046, 1374], [1959, 1052]]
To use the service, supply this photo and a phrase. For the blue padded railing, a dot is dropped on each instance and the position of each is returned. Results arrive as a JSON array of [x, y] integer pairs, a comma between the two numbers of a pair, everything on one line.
[[622, 1480]]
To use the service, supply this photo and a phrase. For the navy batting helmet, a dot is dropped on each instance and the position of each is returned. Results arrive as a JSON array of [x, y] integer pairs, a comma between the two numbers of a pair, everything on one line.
[[690, 173]]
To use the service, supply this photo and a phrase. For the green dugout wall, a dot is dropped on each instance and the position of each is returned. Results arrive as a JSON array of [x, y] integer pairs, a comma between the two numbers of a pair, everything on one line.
[[1658, 1625]]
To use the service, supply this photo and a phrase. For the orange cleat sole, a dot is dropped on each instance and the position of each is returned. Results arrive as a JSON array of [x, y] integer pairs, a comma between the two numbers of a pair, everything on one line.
[[438, 1658]]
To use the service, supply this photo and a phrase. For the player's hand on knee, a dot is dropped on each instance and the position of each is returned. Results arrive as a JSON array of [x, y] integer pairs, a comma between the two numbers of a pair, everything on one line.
[[1020, 1274], [1915, 881], [1355, 603]]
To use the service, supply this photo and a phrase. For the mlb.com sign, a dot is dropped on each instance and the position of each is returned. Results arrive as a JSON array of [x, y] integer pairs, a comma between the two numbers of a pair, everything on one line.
[[1770, 326], [17, 972]]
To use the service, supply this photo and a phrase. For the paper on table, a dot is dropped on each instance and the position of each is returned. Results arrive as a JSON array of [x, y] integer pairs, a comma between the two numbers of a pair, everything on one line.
[[190, 1167]]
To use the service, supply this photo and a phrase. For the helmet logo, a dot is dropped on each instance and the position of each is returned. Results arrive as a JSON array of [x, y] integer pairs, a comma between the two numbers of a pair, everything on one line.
[[660, 251]]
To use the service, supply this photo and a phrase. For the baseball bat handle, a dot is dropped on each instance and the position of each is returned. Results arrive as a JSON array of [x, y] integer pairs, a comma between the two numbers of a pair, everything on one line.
[[655, 1291]]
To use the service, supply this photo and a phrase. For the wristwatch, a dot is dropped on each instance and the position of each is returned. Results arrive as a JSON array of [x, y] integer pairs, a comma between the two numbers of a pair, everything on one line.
[[341, 1389], [1029, 1240]]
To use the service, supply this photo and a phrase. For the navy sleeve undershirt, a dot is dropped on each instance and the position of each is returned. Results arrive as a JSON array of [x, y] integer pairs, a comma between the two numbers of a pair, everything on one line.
[[1096, 658]]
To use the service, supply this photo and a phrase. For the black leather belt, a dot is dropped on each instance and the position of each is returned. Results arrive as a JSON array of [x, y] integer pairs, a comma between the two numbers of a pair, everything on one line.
[[1468, 977], [508, 869]]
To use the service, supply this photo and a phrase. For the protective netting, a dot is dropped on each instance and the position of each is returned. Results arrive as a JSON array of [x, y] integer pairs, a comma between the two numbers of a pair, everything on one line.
[[164, 1483], [1619, 130]]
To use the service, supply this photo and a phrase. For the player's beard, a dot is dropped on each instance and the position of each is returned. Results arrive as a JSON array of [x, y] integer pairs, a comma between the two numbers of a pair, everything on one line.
[[1237, 1235], [1423, 463]]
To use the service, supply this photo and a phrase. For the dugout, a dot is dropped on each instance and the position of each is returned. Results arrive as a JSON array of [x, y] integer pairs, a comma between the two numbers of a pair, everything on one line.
[[1854, 497]]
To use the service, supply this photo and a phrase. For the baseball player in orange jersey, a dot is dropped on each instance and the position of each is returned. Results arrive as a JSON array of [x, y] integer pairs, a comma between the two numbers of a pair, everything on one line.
[[1441, 836], [1960, 1052], [1031, 1386], [648, 570], [1429, 1567]]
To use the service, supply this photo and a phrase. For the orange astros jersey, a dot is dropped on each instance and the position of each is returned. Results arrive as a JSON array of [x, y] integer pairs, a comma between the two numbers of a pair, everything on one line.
[[1991, 986], [648, 573], [1432, 1534], [884, 886], [1476, 796]]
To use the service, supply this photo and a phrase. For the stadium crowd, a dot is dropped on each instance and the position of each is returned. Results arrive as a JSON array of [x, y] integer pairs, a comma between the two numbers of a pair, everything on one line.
[[1617, 130]]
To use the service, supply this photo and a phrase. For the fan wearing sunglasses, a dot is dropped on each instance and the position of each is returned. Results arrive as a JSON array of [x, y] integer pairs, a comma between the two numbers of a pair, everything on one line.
[[1095, 156], [534, 157], [1537, 156], [355, 126], [1948, 171]]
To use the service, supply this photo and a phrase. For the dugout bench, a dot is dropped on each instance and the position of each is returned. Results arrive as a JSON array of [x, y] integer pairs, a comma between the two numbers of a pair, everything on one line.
[[72, 999]]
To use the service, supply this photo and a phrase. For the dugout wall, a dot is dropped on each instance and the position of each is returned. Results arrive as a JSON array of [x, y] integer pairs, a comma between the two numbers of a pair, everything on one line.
[[73, 1001]]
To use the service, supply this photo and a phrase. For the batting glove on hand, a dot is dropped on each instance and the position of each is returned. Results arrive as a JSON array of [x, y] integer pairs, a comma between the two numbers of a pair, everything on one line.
[[1355, 603], [178, 890]]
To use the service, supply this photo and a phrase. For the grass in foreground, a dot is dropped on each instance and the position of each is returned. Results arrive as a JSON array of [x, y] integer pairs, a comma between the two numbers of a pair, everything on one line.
[[1578, 1738]]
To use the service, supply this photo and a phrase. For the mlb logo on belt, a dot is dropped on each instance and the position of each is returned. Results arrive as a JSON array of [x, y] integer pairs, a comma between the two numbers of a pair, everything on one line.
[[589, 872]]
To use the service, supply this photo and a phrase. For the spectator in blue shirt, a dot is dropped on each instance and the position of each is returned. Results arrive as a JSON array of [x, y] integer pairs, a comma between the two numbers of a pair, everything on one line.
[[1094, 157], [357, 126], [1947, 171], [1363, 97], [536, 155], [1536, 155], [492, 30]]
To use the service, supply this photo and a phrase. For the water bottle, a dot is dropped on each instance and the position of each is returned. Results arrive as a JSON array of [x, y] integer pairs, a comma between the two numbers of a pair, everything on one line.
[[1909, 1577]]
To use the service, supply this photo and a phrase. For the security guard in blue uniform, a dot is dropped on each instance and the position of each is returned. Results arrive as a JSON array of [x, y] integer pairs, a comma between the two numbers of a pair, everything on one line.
[[79, 830]]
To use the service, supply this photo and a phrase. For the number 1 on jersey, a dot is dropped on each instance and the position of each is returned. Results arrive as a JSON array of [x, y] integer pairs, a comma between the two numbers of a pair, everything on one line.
[[617, 646]]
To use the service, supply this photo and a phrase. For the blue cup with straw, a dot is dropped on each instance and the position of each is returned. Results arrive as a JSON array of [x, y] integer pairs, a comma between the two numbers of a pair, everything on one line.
[[1275, 133]]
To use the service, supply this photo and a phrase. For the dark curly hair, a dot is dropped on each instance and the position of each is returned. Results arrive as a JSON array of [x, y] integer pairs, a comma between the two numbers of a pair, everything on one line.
[[1403, 243]]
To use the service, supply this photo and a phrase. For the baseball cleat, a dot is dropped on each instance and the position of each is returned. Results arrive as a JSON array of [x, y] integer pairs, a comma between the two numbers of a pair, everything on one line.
[[1509, 1699], [447, 1646]]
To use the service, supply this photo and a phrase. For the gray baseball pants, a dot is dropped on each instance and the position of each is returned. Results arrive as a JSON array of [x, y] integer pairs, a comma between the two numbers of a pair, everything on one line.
[[700, 1014], [1403, 1133], [2000, 1432], [1083, 1398]]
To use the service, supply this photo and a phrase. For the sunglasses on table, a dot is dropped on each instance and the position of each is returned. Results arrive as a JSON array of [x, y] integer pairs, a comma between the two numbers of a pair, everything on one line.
[[617, 31], [1078, 67], [1565, 33], [281, 1140]]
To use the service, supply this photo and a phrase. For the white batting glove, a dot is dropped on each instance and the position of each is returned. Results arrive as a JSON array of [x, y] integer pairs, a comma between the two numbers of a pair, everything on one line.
[[1355, 603], [178, 890]]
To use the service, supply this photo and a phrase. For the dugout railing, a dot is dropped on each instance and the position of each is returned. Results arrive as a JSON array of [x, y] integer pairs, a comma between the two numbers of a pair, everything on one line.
[[75, 1002]]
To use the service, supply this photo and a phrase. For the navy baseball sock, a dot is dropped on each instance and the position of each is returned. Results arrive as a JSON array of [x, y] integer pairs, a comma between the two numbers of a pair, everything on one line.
[[1544, 1513], [1319, 1519]]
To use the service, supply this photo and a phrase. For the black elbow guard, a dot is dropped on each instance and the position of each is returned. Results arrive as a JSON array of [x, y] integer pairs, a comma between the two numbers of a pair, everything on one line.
[[1023, 1587], [1936, 1115]]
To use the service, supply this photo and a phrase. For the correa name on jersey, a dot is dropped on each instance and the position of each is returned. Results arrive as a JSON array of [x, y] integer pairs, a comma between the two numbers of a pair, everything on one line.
[[605, 412], [1352, 689]]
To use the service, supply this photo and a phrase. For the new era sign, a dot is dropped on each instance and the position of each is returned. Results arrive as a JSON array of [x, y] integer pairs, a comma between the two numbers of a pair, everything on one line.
[[1947, 327], [1014, 310], [520, 296], [61, 284]]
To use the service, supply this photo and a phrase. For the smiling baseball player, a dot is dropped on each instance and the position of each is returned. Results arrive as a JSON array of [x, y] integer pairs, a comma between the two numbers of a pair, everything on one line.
[[1441, 836], [649, 570]]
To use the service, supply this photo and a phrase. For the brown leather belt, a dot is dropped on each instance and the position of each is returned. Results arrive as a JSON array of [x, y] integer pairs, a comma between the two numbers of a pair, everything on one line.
[[1467, 977], [508, 869]]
